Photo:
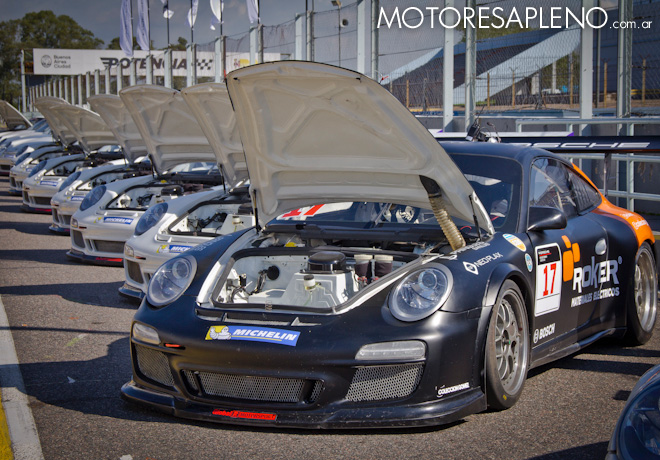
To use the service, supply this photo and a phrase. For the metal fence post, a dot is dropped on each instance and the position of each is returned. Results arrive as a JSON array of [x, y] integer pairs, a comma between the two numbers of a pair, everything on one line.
[[448, 76]]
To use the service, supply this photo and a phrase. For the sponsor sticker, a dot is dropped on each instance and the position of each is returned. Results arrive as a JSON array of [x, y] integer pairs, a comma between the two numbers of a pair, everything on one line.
[[117, 220], [49, 183], [548, 279], [473, 267], [514, 240], [540, 334], [445, 391], [76, 198], [172, 248], [529, 263], [254, 334]]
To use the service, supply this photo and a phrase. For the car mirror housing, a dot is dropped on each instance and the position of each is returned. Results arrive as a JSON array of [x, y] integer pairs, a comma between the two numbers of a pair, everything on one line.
[[544, 218]]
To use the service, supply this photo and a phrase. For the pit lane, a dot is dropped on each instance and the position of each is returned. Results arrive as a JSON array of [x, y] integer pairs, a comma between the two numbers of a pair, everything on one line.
[[70, 329]]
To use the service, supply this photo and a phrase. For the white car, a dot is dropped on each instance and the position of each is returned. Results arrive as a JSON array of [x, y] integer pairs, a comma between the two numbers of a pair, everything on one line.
[[27, 161], [183, 163], [11, 119], [27, 141], [170, 228], [91, 133], [73, 190]]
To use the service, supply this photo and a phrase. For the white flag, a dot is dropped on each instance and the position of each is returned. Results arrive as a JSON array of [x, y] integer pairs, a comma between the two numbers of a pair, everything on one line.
[[216, 8], [167, 12], [253, 10], [126, 31], [192, 13], [142, 35]]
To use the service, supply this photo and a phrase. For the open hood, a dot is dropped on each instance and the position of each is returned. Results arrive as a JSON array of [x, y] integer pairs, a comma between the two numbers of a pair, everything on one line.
[[49, 107], [119, 120], [12, 117], [168, 127], [315, 133], [88, 127], [211, 106]]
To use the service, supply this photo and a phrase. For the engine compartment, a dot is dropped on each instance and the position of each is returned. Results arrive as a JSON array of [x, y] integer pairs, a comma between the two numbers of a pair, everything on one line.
[[214, 218], [143, 196], [317, 278]]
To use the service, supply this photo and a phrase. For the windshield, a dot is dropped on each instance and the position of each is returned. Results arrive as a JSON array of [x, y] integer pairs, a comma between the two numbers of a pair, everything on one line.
[[497, 182]]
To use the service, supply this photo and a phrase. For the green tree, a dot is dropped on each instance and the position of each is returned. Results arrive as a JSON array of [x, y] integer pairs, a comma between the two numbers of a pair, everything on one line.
[[41, 29], [114, 44]]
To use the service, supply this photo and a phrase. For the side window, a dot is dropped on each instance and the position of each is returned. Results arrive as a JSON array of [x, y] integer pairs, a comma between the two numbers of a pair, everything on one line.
[[586, 197], [550, 186]]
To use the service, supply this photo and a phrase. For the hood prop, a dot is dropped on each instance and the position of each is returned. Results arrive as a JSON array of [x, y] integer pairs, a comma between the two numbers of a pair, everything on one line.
[[448, 226]]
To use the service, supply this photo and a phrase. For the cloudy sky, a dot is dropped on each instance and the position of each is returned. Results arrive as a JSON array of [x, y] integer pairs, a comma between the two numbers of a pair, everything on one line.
[[102, 16]]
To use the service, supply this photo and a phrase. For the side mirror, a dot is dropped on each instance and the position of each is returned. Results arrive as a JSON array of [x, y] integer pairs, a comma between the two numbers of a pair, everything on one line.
[[544, 218]]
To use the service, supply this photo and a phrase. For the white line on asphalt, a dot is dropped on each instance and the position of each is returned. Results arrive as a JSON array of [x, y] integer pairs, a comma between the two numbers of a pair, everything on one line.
[[22, 430]]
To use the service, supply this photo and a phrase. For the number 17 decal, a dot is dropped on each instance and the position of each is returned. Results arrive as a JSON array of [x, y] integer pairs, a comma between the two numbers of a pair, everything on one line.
[[548, 279]]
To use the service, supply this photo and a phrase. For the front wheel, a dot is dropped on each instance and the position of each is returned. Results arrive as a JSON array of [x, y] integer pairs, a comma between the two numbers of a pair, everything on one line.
[[642, 302], [507, 348]]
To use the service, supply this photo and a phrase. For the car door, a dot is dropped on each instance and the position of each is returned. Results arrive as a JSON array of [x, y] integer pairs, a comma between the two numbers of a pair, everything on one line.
[[565, 260]]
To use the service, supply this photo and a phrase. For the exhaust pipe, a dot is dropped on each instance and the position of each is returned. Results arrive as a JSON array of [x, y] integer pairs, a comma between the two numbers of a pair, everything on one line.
[[448, 226]]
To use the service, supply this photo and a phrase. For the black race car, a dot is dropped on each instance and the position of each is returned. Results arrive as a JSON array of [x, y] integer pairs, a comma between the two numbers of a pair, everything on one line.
[[391, 280]]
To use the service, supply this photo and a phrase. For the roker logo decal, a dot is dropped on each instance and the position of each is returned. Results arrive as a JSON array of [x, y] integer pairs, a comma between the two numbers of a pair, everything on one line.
[[514, 240], [445, 391], [254, 334], [570, 257]]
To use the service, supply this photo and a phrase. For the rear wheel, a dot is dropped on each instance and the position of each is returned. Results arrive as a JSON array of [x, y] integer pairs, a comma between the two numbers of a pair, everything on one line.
[[507, 348], [642, 304]]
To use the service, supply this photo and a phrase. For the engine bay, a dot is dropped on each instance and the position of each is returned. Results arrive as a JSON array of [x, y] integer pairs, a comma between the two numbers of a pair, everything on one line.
[[214, 218], [142, 197]]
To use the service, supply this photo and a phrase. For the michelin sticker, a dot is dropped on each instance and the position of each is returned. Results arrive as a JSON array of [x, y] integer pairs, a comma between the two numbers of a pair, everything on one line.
[[172, 249], [117, 220], [514, 240], [254, 334]]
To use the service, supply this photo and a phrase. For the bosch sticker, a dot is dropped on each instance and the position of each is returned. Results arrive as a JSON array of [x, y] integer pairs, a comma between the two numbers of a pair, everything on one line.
[[548, 279], [514, 240], [254, 334], [117, 220], [172, 249]]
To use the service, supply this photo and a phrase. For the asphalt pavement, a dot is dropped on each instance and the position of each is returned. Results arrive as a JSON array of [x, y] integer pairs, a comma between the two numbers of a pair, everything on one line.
[[70, 331]]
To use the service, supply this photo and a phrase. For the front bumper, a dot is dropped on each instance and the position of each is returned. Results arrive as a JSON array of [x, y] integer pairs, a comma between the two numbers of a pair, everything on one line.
[[96, 241], [37, 198], [62, 213], [316, 383]]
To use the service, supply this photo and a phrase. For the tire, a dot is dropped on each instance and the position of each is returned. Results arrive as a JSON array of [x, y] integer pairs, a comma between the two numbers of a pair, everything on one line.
[[507, 348], [642, 302]]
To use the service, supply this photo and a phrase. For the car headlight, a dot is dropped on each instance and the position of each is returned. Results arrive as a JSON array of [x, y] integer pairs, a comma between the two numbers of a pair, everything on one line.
[[69, 180], [39, 167], [421, 293], [92, 197], [171, 280], [150, 218], [639, 435]]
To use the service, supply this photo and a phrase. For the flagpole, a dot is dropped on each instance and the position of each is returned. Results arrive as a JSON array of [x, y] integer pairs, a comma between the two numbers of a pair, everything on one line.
[[192, 24]]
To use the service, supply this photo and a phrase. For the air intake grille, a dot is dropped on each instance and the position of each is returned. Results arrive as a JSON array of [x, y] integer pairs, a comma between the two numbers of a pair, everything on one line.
[[42, 200], [12, 182], [133, 271], [154, 365], [254, 388], [374, 383], [77, 238], [109, 246]]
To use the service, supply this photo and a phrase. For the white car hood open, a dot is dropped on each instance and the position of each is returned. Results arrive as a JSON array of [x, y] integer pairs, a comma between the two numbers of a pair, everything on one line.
[[119, 120], [315, 133], [211, 106], [88, 127], [49, 107], [12, 117], [168, 127]]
